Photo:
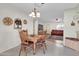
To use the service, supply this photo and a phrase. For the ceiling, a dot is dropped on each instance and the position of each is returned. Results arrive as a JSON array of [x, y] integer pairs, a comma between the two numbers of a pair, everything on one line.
[[49, 11]]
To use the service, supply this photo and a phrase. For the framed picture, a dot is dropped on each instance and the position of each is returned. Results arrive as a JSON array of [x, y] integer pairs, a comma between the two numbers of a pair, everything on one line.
[[18, 23], [25, 21]]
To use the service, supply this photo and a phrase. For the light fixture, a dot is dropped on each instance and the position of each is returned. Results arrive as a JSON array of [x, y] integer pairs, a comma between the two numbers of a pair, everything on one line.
[[34, 13]]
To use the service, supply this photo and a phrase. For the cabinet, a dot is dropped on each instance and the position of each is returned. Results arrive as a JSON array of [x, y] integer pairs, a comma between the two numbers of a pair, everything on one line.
[[72, 43]]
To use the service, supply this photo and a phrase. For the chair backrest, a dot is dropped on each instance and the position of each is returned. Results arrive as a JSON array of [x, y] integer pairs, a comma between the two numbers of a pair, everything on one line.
[[42, 35], [23, 35]]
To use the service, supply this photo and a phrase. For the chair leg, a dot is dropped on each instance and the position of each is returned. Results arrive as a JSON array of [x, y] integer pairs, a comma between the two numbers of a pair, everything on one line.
[[34, 48], [20, 51], [44, 48], [25, 49]]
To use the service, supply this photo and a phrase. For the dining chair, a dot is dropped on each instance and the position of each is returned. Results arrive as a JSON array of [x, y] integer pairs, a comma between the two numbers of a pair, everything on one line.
[[25, 43], [42, 41]]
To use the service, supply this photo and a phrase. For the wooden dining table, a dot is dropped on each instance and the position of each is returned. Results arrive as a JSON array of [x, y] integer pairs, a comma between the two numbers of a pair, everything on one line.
[[34, 39]]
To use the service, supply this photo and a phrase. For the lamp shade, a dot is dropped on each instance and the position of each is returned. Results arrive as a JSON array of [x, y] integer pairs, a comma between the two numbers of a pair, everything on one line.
[[34, 13], [38, 14]]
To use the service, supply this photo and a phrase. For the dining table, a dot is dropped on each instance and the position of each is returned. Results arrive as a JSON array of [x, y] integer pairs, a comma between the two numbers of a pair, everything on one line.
[[34, 39]]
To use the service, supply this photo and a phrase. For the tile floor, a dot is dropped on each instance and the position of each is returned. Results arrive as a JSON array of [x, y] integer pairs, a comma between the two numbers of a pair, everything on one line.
[[52, 50]]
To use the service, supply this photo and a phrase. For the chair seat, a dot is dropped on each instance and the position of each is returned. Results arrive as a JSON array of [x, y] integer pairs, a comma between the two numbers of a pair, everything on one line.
[[40, 41], [28, 43]]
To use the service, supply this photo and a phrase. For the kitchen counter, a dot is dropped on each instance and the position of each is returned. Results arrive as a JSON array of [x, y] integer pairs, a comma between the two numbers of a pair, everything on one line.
[[74, 39], [72, 43]]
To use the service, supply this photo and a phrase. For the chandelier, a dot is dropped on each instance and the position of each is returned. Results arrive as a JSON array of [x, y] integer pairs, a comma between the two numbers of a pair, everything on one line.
[[34, 13]]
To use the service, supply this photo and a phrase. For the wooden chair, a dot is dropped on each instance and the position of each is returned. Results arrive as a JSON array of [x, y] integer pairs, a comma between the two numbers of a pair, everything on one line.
[[24, 41], [42, 41]]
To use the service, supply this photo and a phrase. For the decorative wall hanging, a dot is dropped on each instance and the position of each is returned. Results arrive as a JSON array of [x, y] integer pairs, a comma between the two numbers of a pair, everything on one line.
[[72, 23], [7, 21], [25, 21], [78, 21], [18, 23]]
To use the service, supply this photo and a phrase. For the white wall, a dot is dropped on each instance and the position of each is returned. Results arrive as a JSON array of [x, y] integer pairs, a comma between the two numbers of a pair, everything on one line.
[[70, 31], [9, 37]]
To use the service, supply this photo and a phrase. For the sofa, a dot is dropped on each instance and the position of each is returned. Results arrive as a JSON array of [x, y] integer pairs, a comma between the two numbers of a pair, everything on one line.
[[57, 32]]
